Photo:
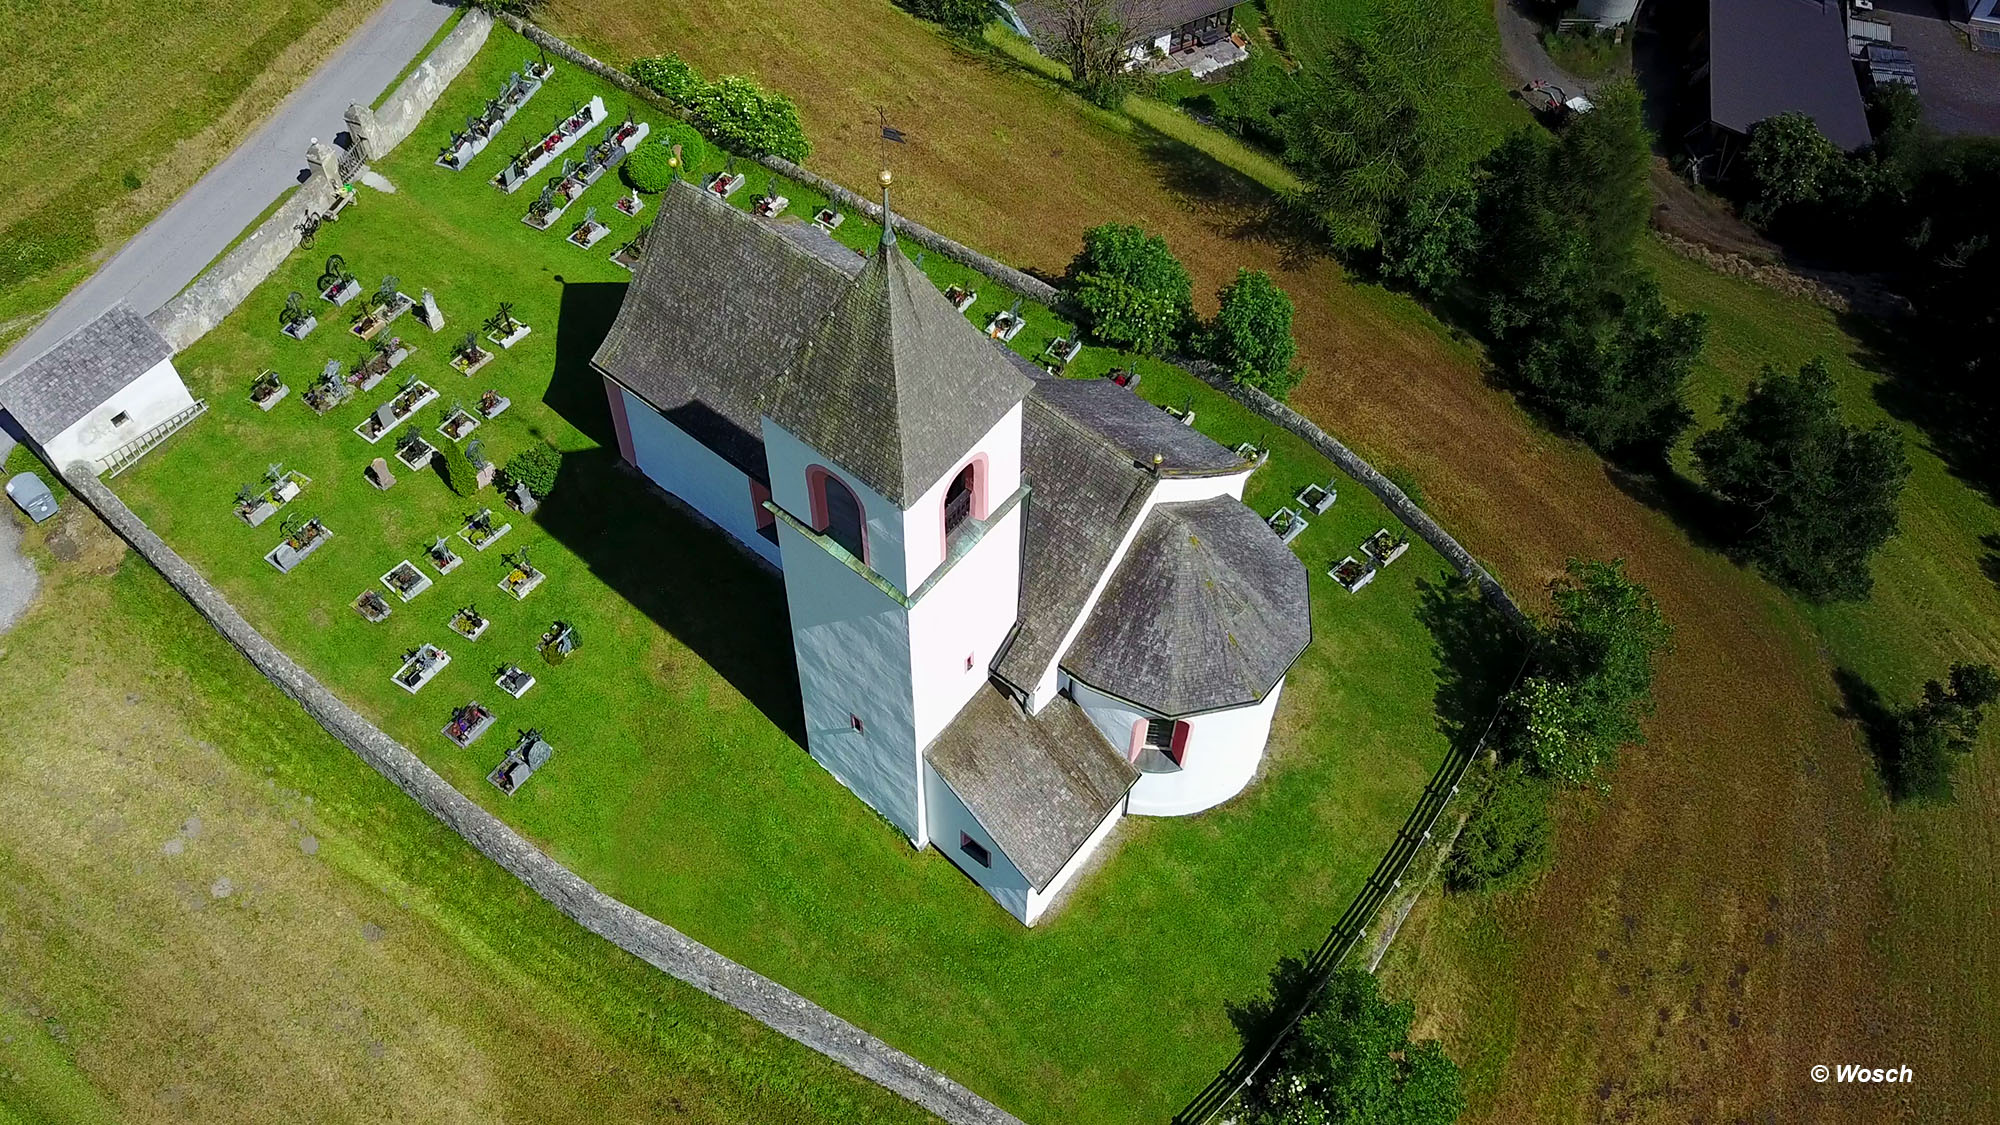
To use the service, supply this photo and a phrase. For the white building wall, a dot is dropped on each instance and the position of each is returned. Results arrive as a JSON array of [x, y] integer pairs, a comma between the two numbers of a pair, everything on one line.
[[146, 402], [1221, 754], [691, 471], [1170, 490], [961, 622], [1009, 887], [853, 648], [788, 458], [923, 543], [1038, 901]]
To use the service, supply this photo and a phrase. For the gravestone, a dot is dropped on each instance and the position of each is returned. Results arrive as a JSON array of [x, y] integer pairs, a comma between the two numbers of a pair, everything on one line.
[[385, 415], [432, 317], [524, 500], [379, 475]]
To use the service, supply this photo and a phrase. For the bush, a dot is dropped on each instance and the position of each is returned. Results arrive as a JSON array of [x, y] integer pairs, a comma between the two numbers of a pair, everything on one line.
[[668, 76], [743, 118], [1506, 841], [957, 15], [1251, 335], [536, 467], [1350, 1059], [648, 168], [1940, 729], [1134, 291], [1789, 162], [459, 475]]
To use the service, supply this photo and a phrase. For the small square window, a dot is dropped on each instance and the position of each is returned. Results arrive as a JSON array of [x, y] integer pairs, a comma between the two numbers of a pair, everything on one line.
[[120, 418], [968, 661], [855, 722], [974, 850]]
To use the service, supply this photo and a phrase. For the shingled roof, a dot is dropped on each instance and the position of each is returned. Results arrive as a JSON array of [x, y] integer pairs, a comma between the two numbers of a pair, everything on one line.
[[893, 383], [1207, 610], [82, 372], [1039, 784], [1767, 57], [721, 302]]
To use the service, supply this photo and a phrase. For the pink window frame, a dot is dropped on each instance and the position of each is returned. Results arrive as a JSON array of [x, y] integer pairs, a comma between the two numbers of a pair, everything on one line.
[[1175, 750], [978, 464], [759, 493], [816, 478]]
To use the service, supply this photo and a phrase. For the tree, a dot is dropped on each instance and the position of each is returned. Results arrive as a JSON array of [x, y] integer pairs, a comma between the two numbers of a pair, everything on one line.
[[536, 466], [956, 15], [743, 118], [1593, 677], [1941, 728], [1251, 335], [1507, 839], [1090, 40], [648, 168], [1380, 124], [669, 76], [1789, 161], [1134, 291], [1603, 161], [1428, 242], [1351, 1061], [459, 474], [1811, 498], [1611, 367]]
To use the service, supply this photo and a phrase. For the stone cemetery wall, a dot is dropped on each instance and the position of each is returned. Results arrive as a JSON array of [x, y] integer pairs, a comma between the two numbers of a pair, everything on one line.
[[398, 115], [641, 935]]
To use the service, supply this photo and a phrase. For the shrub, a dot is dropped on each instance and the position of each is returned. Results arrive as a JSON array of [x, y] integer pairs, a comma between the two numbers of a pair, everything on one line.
[[1131, 287], [743, 118], [1251, 335], [459, 475], [1940, 729], [1351, 1058], [668, 76], [536, 467], [1789, 161], [957, 15], [648, 168], [1506, 841]]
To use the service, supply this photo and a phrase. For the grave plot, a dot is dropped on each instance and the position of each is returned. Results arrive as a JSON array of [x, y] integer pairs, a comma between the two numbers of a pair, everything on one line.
[[467, 724], [412, 450], [328, 390], [555, 198], [1006, 324], [491, 405], [268, 390], [961, 298], [420, 666], [458, 422], [529, 754], [1288, 524], [1316, 498], [337, 285], [558, 643], [428, 313], [302, 538], [1352, 573], [480, 532], [382, 309], [383, 357], [442, 558], [378, 475], [372, 606], [589, 232], [514, 681], [414, 396], [294, 320], [1386, 546], [521, 577], [260, 500], [406, 580], [1249, 450], [770, 205], [550, 145], [630, 205], [468, 622], [468, 357], [828, 219], [503, 329], [627, 256]]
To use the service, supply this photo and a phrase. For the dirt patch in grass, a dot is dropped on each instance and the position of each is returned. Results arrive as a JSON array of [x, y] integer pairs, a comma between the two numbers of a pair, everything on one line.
[[1752, 812]]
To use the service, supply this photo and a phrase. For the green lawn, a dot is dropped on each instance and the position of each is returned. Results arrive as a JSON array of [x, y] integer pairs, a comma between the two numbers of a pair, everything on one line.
[[676, 784]]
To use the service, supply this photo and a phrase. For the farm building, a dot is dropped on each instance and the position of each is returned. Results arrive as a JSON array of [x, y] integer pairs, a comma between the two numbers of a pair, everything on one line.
[[1166, 35], [103, 395], [1755, 59], [1022, 606]]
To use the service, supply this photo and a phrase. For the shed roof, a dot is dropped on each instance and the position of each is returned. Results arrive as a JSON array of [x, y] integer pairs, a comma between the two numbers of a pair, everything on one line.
[[1141, 19], [1207, 610], [82, 371], [1039, 784], [893, 383], [1768, 57]]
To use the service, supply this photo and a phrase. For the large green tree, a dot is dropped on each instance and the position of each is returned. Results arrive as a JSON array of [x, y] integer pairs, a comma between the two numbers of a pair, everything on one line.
[[1251, 335], [1351, 1062], [1941, 729], [1380, 124], [1810, 496], [1135, 293], [1789, 161]]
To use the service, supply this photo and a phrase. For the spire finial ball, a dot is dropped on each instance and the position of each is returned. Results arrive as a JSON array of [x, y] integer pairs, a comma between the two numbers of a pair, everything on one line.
[[885, 177]]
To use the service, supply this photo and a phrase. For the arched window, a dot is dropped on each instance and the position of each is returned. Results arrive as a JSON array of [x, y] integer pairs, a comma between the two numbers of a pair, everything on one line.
[[837, 511], [1158, 745], [958, 500]]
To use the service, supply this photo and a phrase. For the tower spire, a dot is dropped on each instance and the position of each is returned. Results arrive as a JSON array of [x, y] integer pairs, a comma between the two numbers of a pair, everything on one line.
[[888, 222]]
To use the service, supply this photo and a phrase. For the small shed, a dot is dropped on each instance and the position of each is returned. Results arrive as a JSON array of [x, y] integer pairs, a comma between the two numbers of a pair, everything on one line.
[[104, 394]]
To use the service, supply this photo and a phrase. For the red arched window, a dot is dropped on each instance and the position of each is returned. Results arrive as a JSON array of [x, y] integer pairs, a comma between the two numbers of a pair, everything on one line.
[[837, 511], [965, 497], [1158, 745]]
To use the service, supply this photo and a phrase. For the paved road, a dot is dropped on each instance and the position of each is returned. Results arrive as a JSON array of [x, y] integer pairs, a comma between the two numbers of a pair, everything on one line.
[[165, 256]]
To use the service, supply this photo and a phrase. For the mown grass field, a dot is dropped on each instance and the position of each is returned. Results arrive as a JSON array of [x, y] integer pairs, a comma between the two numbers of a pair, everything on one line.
[[678, 783], [114, 109], [215, 912], [1743, 905]]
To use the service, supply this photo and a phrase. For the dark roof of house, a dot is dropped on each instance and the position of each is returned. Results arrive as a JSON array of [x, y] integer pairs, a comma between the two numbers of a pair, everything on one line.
[[1768, 57], [1084, 445], [1207, 610], [1141, 19], [1039, 784], [893, 383], [721, 302], [82, 371]]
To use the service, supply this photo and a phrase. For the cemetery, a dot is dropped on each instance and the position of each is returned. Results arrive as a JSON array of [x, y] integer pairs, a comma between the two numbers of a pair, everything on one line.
[[688, 637], [467, 724], [261, 500], [268, 389], [468, 623], [482, 127]]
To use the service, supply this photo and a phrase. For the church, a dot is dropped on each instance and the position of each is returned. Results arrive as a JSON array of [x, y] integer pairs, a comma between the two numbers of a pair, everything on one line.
[[1022, 606]]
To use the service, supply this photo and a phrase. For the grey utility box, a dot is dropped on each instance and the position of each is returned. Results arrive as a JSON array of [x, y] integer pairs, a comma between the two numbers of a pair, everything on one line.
[[34, 497]]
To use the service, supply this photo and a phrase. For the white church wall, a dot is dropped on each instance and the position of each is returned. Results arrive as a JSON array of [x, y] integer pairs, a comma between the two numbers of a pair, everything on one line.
[[1170, 490], [852, 644], [961, 622], [145, 402], [1220, 755], [788, 459], [949, 818], [691, 471], [924, 540], [1039, 901]]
